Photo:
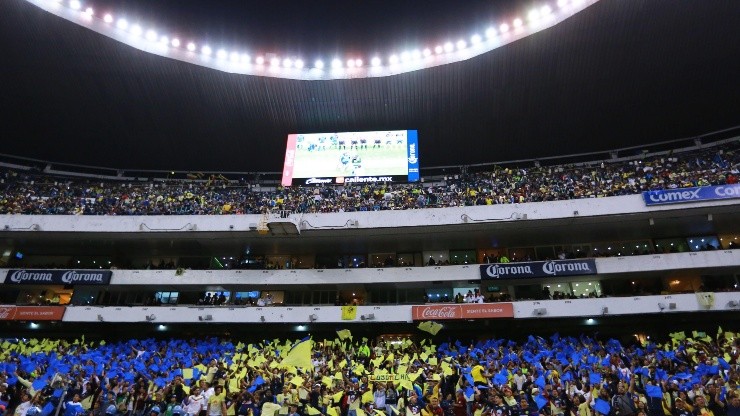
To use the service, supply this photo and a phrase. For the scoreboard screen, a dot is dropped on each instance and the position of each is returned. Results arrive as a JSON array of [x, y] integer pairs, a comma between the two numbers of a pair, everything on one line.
[[351, 158]]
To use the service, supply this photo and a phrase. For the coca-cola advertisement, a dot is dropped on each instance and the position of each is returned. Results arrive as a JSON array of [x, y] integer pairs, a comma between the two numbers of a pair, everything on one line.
[[57, 277], [31, 313], [465, 311]]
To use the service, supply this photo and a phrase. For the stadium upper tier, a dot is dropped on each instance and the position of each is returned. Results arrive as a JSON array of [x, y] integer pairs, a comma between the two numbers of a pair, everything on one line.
[[44, 194]]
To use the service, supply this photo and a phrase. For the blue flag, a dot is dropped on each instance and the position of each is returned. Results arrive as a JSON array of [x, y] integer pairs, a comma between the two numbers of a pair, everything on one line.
[[594, 379], [48, 409], [602, 406], [541, 401], [654, 391], [540, 382]]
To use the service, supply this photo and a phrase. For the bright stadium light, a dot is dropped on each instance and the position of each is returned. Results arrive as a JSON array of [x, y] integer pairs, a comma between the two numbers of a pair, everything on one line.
[[136, 30], [176, 42], [260, 60], [350, 63], [405, 56], [504, 28], [319, 64], [275, 62], [416, 54], [375, 62], [517, 22], [221, 54], [191, 47], [206, 50], [287, 62], [358, 62], [336, 63], [427, 52], [393, 59], [438, 49], [75, 4], [545, 10], [461, 44], [533, 15], [108, 18], [490, 32], [298, 63], [449, 47], [151, 35], [562, 3], [122, 24], [475, 39], [245, 58], [234, 56], [89, 12], [164, 40]]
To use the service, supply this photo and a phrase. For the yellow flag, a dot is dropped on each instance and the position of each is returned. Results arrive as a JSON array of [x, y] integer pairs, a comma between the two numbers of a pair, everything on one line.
[[312, 411], [299, 356], [327, 381], [367, 397], [187, 373], [360, 412], [349, 313], [186, 389], [393, 409], [332, 411], [337, 397], [431, 327], [379, 412], [297, 381], [344, 333]]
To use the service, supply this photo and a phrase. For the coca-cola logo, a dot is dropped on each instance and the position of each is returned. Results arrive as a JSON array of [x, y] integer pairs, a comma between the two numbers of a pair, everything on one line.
[[74, 277], [5, 312], [443, 312], [20, 276]]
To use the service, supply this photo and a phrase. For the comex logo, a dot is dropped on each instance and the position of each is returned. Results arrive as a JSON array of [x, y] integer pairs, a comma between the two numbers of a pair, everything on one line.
[[673, 196]]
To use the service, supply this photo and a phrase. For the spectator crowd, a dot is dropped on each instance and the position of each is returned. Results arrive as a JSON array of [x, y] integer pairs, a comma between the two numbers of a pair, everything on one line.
[[690, 374], [24, 193]]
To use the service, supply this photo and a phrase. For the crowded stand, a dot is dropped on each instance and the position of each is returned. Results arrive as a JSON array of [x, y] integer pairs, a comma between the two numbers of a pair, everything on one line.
[[29, 193], [689, 374]]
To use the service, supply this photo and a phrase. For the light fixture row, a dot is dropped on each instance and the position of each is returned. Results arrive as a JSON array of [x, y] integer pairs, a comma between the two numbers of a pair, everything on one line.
[[534, 16]]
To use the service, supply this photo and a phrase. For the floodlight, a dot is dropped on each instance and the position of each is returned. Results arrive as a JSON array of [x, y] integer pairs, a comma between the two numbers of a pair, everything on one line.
[[545, 10], [75, 4], [490, 32], [176, 42], [336, 63], [319, 64], [449, 47], [427, 52], [438, 49], [122, 24], [405, 56], [416, 54], [358, 62], [107, 18], [461, 44], [475, 39], [504, 28], [260, 60], [206, 50], [298, 63], [533, 15], [393, 59], [221, 54], [136, 30], [350, 63], [89, 11], [275, 61], [234, 56], [287, 62], [245, 58], [151, 35], [191, 46], [562, 3], [517, 22], [375, 61]]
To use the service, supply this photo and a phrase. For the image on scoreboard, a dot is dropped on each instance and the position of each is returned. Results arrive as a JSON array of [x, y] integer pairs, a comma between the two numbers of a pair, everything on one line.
[[351, 154]]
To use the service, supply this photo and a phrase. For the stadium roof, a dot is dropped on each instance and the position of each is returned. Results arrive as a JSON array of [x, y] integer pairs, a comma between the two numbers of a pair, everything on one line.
[[617, 74]]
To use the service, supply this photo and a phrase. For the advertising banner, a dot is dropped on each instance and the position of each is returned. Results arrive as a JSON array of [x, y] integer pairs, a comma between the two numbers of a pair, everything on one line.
[[538, 269], [31, 313], [683, 195], [58, 277], [464, 311]]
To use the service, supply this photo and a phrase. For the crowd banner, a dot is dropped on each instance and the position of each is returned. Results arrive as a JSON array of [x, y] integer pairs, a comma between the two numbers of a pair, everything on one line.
[[57, 277], [464, 311], [683, 195], [383, 378], [31, 313], [538, 269]]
